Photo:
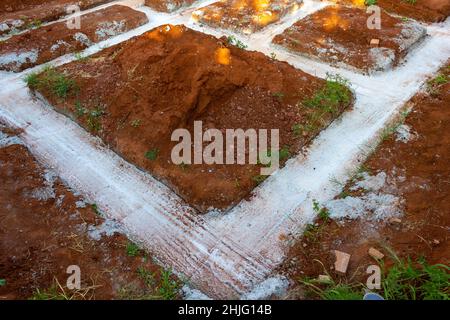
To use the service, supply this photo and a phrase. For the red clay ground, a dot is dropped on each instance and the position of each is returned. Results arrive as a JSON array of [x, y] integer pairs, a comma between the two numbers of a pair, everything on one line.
[[18, 15], [44, 44], [45, 228], [135, 94], [245, 16], [423, 10], [418, 173], [168, 5], [339, 36]]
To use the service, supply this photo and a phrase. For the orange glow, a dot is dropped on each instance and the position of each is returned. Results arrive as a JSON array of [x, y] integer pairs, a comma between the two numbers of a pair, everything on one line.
[[359, 3], [334, 21], [168, 30], [239, 4], [223, 56], [261, 5], [264, 18]]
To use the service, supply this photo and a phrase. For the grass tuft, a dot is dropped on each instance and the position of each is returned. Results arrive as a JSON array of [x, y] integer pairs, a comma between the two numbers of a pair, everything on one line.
[[132, 249], [50, 79]]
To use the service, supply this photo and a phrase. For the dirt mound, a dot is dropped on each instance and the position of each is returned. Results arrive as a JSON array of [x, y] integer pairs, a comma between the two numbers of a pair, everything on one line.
[[168, 5], [19, 15], [340, 36], [135, 94], [49, 42], [423, 10], [244, 16]]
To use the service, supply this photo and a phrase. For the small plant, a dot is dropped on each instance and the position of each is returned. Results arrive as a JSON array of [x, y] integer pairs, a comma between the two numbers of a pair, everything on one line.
[[184, 166], [370, 2], [168, 289], [152, 154], [312, 231], [80, 57], [94, 207], [2, 282], [331, 96], [32, 80], [51, 293], [410, 1], [93, 119], [278, 95], [404, 280], [132, 249], [321, 212], [408, 280], [136, 123], [34, 24], [50, 79], [284, 153], [333, 290], [297, 129], [273, 56], [259, 178], [235, 42], [146, 276], [433, 85], [79, 109], [62, 85]]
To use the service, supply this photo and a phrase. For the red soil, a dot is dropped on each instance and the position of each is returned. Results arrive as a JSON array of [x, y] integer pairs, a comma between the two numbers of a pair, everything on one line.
[[246, 16], [57, 39], [425, 188], [39, 239], [32, 12], [423, 10], [339, 35], [171, 76], [168, 5]]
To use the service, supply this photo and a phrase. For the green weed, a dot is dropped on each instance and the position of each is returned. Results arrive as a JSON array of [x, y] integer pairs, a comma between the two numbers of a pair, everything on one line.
[[235, 42], [152, 154], [132, 249], [168, 288]]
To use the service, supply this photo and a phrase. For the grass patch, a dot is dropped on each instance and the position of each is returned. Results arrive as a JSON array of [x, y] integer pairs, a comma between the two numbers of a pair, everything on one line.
[[235, 42], [326, 100], [33, 24], [258, 179], [93, 118], [51, 293], [331, 96], [168, 288], [132, 249], [333, 290], [433, 85], [54, 81], [2, 282], [416, 280], [152, 154], [404, 280], [146, 276], [321, 212], [94, 208]]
